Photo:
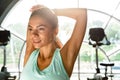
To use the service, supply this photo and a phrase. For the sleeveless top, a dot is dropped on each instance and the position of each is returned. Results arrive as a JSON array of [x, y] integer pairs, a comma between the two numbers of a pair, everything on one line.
[[55, 71]]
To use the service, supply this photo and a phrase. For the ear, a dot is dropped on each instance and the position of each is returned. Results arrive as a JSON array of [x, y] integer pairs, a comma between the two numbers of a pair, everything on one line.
[[56, 31]]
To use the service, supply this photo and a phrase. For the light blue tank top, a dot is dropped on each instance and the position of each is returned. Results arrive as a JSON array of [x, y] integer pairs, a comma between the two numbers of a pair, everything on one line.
[[55, 71]]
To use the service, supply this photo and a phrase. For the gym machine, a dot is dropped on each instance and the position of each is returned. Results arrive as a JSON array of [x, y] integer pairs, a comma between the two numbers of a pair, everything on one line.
[[4, 39], [95, 39]]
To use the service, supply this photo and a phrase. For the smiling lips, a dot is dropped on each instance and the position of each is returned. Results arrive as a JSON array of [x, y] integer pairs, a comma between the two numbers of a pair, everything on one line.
[[36, 41]]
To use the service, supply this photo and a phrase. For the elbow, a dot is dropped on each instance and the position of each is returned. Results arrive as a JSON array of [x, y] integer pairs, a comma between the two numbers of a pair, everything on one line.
[[82, 14]]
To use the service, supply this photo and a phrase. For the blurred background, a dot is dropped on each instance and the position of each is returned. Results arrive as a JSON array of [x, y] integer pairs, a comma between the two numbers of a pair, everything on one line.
[[105, 14]]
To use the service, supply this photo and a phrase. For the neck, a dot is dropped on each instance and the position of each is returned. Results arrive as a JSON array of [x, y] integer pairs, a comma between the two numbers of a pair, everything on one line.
[[47, 51]]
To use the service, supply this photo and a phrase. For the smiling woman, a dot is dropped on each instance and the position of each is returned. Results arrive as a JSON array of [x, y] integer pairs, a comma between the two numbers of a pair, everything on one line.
[[44, 58]]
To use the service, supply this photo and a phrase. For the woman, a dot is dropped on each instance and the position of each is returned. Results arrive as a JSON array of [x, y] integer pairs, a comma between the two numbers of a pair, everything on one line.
[[46, 58]]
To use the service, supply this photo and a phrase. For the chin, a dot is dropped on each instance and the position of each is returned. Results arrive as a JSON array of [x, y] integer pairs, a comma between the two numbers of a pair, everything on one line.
[[37, 46]]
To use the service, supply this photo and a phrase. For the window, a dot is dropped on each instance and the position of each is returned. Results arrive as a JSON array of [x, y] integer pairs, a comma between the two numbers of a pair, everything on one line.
[[102, 13]]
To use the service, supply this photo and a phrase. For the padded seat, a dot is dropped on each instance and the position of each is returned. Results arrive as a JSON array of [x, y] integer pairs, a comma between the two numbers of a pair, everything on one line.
[[107, 64]]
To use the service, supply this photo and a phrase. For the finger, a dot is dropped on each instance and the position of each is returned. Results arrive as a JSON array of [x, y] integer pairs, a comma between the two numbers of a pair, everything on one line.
[[36, 7]]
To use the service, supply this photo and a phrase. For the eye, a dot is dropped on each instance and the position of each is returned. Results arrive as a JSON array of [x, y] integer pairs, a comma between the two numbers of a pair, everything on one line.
[[41, 28], [29, 29]]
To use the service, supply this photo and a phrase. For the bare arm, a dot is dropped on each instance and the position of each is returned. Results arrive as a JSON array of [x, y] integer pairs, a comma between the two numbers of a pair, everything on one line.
[[29, 49], [58, 43], [29, 46], [70, 50]]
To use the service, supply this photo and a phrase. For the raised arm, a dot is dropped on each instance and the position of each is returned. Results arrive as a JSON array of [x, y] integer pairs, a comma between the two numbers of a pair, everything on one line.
[[29, 46], [29, 49], [71, 49]]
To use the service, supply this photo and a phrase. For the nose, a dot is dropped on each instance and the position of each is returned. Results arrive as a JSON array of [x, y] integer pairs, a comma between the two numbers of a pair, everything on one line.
[[35, 33]]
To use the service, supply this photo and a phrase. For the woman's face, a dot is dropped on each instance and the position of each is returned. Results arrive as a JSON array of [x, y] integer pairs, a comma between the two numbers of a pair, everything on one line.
[[40, 31]]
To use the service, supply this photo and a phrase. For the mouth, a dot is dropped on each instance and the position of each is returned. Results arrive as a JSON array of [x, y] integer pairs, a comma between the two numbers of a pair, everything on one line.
[[36, 42]]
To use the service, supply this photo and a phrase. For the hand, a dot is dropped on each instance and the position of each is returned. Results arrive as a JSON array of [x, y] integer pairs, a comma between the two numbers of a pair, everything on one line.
[[36, 7], [58, 43]]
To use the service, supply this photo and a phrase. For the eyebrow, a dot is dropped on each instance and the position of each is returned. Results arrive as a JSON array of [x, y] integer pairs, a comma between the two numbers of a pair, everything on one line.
[[37, 26], [41, 25], [29, 26]]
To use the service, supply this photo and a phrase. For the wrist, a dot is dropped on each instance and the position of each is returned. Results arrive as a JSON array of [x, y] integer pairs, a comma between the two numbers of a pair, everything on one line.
[[55, 11]]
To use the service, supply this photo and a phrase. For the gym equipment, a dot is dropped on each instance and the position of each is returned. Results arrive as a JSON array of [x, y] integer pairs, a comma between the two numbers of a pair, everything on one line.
[[95, 39], [4, 39]]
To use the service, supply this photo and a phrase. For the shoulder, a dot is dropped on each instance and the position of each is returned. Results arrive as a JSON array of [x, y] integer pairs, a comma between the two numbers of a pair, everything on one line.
[[34, 53]]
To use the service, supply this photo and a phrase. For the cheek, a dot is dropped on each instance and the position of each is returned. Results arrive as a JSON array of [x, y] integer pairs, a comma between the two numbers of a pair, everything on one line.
[[49, 37]]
